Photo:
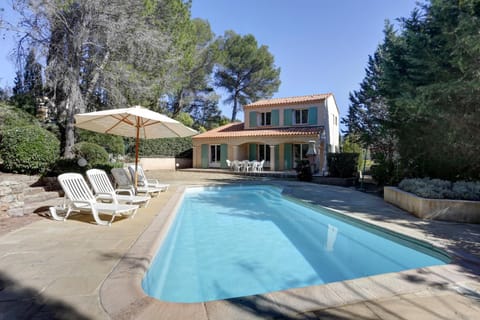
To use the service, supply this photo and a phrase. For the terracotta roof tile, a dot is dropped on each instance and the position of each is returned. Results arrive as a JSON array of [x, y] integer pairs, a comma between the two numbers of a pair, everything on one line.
[[289, 100], [236, 129]]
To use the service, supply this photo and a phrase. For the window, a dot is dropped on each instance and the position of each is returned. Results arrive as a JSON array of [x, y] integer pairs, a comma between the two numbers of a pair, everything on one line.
[[300, 116], [215, 153], [265, 118], [264, 152]]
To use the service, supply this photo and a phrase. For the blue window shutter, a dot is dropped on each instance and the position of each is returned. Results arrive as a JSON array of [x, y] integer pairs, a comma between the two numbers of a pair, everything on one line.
[[252, 154], [287, 117], [204, 156], [287, 155], [223, 155], [253, 119], [275, 118], [312, 115]]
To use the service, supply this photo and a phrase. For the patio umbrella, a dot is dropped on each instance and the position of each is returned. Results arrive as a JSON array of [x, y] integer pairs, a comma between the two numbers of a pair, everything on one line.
[[136, 122]]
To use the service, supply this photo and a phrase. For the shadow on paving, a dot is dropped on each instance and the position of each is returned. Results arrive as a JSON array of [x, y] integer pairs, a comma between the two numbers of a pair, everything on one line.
[[459, 237], [261, 306], [20, 302]]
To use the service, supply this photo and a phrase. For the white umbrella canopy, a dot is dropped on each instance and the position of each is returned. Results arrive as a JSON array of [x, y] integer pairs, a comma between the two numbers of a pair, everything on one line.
[[136, 122]]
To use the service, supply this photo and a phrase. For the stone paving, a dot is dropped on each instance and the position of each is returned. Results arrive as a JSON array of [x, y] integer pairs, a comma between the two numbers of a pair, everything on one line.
[[63, 270]]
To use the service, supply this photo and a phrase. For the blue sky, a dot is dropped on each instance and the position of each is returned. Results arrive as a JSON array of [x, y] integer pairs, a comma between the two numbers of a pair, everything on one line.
[[320, 45]]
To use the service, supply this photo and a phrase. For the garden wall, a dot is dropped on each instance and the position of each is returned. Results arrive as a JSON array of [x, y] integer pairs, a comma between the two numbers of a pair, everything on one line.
[[438, 209]]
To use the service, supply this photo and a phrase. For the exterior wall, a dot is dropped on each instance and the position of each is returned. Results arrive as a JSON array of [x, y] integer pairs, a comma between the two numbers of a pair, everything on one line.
[[332, 125], [320, 105], [238, 149], [164, 163]]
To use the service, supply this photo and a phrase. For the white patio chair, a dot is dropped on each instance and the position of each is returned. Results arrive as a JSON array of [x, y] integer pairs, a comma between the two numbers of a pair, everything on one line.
[[105, 192], [246, 165], [142, 180], [229, 164], [237, 165], [123, 181], [79, 198], [260, 166]]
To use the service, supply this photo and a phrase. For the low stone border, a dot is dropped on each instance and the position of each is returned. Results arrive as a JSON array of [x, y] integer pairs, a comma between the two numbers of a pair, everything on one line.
[[438, 209]]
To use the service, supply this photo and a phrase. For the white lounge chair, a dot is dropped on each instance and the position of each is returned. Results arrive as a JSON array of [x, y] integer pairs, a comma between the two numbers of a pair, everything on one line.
[[105, 192], [79, 198], [123, 181], [142, 180]]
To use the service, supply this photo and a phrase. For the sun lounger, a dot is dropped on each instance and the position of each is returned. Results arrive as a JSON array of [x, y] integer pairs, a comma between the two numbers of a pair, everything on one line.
[[79, 198], [142, 180], [123, 181], [105, 192]]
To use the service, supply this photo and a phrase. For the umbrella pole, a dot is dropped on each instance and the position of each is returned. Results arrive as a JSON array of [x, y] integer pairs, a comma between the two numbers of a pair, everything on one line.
[[136, 154]]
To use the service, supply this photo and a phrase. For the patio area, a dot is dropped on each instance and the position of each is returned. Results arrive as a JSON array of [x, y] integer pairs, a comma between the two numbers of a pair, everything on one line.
[[76, 269]]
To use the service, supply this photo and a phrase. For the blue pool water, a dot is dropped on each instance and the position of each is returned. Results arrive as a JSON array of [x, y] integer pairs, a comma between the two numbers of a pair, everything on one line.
[[230, 242]]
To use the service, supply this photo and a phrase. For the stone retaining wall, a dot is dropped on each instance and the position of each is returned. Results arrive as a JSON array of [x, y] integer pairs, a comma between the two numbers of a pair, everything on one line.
[[11, 194], [438, 209]]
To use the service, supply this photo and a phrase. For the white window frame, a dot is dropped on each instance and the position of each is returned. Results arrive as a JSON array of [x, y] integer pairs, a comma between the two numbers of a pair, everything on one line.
[[301, 118], [264, 118], [214, 155]]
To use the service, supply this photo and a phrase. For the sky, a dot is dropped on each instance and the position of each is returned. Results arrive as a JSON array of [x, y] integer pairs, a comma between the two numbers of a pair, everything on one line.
[[320, 45]]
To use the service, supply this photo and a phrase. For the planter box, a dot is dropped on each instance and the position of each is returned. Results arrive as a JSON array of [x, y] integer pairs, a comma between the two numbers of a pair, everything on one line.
[[438, 209]]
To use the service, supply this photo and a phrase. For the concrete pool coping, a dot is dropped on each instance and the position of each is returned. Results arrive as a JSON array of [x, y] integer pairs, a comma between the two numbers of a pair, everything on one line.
[[122, 296]]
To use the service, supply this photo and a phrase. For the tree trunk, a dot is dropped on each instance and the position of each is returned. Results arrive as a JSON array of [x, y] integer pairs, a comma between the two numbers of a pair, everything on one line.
[[235, 106], [69, 131]]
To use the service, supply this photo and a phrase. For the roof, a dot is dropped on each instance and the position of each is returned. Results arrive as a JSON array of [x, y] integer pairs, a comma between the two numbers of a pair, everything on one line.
[[290, 100], [237, 129]]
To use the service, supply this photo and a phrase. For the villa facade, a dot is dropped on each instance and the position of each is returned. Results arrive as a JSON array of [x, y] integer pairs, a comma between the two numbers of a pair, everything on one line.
[[280, 131]]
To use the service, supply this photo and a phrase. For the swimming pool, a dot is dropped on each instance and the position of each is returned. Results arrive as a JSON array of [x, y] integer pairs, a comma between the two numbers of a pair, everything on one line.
[[230, 242]]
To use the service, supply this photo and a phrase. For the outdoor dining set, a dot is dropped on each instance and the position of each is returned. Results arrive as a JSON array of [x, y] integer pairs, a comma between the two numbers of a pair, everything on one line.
[[245, 165]]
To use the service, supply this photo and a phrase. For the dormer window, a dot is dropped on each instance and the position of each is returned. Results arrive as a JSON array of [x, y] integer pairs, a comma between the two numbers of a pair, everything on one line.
[[300, 116], [265, 118]]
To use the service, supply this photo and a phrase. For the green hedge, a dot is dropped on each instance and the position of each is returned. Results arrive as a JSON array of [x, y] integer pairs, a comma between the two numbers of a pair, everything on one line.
[[342, 165], [111, 143], [169, 147], [29, 150]]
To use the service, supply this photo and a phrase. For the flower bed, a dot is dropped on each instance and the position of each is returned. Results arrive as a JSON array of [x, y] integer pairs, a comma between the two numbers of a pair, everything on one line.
[[438, 209]]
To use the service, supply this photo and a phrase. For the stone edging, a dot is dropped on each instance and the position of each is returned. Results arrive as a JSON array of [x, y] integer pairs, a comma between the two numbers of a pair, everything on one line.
[[438, 209]]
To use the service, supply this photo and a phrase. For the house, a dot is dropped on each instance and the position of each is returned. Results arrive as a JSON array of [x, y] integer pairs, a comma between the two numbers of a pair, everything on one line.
[[280, 131]]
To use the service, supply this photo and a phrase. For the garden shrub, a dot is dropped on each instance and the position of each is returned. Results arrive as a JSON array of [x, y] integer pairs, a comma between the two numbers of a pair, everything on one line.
[[29, 149], [12, 117], [441, 189], [92, 152], [467, 190], [342, 165], [64, 165], [111, 143]]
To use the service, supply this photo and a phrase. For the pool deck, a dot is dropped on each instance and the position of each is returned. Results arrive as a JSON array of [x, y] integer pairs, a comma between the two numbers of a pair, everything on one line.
[[78, 270]]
